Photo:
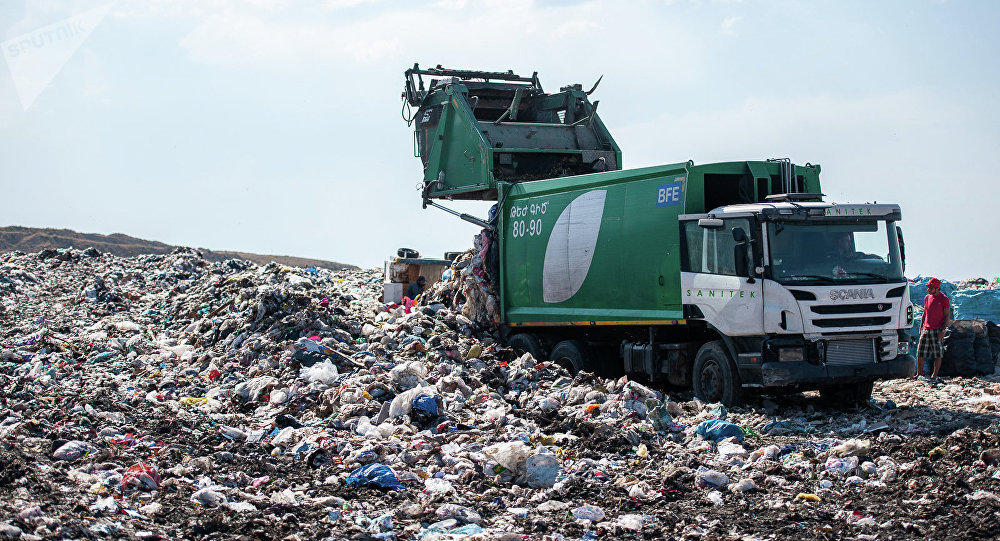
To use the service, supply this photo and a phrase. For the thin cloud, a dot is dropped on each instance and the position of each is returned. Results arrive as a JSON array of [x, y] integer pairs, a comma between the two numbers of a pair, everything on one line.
[[728, 26], [248, 39], [574, 28]]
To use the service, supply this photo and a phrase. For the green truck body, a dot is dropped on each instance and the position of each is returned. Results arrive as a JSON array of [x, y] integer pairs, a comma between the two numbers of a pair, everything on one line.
[[630, 272]]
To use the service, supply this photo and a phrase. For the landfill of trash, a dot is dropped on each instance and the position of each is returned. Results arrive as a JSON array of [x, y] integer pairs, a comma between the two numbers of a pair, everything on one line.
[[165, 396]]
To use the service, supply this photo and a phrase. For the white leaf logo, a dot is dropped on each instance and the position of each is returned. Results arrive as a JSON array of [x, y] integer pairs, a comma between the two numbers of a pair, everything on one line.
[[571, 246]]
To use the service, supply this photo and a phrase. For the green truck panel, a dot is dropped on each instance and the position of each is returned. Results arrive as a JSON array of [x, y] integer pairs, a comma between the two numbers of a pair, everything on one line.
[[604, 248]]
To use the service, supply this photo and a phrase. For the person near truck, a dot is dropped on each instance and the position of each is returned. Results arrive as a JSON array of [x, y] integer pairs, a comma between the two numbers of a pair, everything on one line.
[[416, 287], [937, 317]]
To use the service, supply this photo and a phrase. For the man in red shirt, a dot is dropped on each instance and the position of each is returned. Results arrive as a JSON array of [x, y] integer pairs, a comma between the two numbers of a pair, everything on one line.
[[937, 316]]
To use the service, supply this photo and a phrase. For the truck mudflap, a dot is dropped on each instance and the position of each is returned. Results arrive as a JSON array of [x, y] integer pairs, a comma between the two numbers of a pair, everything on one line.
[[777, 374]]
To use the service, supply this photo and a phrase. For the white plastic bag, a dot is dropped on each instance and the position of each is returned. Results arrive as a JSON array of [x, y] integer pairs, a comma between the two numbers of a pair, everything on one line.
[[403, 403], [541, 470], [506, 459], [324, 372]]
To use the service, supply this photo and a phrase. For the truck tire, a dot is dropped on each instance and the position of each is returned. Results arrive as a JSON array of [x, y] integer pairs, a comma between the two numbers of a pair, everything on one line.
[[847, 395], [573, 355], [528, 343], [714, 378]]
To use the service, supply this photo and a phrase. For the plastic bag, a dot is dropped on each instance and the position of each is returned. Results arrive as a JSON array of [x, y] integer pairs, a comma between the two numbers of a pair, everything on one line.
[[541, 470], [209, 497], [403, 403], [424, 408], [73, 450], [408, 375], [324, 372], [707, 478], [716, 430], [142, 476], [661, 419], [841, 466], [375, 474], [505, 459], [589, 512], [435, 485], [458, 512]]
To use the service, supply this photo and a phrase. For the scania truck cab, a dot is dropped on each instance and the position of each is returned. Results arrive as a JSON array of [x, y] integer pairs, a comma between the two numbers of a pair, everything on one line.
[[805, 294]]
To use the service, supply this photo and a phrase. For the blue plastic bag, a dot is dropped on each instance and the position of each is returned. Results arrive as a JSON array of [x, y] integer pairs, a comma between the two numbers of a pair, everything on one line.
[[425, 404], [716, 430], [425, 408], [375, 474]]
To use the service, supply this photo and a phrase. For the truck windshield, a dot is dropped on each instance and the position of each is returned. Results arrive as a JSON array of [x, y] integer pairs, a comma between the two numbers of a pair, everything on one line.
[[826, 253]]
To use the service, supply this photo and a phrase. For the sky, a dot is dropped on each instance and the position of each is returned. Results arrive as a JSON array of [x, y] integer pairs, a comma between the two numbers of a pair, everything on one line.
[[274, 126]]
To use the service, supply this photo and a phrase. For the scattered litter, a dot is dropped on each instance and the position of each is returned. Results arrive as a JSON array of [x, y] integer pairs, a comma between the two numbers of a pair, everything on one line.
[[146, 395]]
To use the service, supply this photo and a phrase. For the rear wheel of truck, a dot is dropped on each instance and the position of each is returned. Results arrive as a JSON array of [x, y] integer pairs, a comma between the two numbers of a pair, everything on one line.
[[847, 395], [573, 355], [528, 343], [714, 378]]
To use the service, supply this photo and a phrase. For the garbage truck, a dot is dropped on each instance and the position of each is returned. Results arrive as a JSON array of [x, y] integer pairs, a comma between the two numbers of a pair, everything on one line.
[[730, 278]]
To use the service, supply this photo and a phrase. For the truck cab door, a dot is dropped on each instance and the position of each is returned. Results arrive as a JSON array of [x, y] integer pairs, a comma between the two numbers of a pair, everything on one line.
[[711, 282]]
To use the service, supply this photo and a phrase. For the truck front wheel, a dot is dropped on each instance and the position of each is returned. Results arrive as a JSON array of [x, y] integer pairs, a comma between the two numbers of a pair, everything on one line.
[[528, 343], [573, 355], [714, 379], [847, 395]]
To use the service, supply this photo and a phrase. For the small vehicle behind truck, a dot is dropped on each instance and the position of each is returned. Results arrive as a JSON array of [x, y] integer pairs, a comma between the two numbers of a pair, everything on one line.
[[730, 277]]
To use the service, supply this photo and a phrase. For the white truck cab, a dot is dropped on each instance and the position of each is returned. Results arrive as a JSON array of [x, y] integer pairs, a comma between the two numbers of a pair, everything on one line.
[[806, 293]]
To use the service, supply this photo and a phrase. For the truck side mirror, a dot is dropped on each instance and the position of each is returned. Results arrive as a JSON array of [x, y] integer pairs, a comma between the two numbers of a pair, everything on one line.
[[740, 259], [739, 235], [902, 246]]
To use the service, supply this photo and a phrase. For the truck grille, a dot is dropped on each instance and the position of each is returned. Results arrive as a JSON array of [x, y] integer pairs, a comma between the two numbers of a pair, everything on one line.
[[852, 308], [852, 321], [850, 352]]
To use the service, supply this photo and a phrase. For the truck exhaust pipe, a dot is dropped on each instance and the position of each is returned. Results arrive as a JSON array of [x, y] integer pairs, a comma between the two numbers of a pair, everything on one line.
[[789, 181]]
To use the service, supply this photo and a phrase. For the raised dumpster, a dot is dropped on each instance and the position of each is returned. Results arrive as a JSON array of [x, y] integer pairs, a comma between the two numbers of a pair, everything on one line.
[[473, 129]]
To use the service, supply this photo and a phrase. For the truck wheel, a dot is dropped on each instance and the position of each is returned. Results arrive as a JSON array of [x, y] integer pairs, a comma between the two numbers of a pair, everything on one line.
[[573, 355], [714, 379], [847, 395], [528, 343]]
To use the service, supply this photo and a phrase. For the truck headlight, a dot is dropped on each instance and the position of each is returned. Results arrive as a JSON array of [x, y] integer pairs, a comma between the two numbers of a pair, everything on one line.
[[790, 354], [909, 315]]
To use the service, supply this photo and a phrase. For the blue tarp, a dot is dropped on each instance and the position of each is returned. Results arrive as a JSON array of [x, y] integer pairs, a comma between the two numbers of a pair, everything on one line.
[[716, 430], [967, 303], [977, 304], [375, 474]]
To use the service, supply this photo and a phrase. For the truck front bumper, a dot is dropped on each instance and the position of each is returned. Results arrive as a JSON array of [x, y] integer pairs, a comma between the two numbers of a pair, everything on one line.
[[805, 374]]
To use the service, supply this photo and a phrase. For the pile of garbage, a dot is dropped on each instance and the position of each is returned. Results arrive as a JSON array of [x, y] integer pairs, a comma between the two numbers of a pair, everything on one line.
[[471, 285], [170, 397]]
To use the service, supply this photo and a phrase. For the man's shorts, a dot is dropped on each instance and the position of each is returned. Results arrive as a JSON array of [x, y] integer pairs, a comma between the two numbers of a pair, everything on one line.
[[929, 346]]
